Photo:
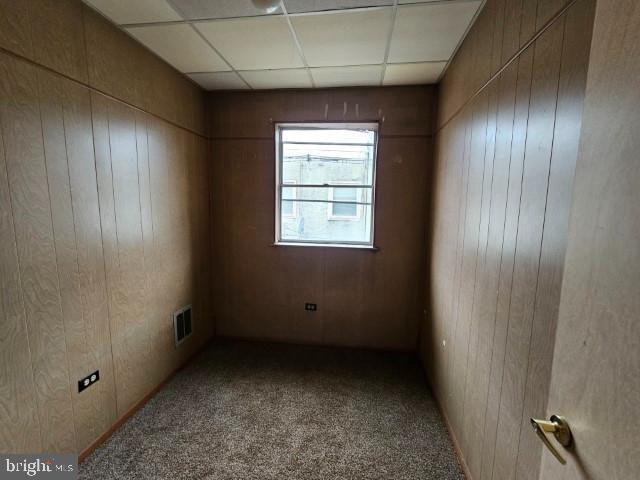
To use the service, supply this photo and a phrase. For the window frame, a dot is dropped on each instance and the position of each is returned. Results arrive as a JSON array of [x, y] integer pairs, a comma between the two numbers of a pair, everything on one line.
[[278, 128]]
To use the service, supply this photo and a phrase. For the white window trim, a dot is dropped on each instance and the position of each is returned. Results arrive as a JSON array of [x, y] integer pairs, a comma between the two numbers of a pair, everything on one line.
[[294, 213], [278, 127], [347, 218]]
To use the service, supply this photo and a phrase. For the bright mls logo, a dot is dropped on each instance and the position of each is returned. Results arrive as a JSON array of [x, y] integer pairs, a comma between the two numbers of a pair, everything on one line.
[[53, 467]]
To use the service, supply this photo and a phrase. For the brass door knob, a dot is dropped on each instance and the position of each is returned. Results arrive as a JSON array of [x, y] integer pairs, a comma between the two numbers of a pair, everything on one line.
[[560, 429]]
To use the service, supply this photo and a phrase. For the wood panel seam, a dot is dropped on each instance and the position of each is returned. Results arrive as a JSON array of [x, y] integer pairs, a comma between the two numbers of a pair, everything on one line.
[[33, 63], [55, 254], [475, 271], [515, 250], [520, 51], [75, 234], [542, 236], [20, 283], [104, 258], [497, 296]]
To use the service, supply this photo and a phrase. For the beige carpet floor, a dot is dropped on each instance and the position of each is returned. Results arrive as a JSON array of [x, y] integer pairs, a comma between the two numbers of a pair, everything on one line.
[[244, 410]]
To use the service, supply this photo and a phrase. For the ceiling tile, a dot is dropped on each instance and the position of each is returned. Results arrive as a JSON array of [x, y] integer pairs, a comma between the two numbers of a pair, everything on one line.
[[360, 75], [219, 81], [300, 6], [138, 11], [181, 46], [267, 79], [344, 38], [413, 73], [429, 32], [206, 9], [257, 43]]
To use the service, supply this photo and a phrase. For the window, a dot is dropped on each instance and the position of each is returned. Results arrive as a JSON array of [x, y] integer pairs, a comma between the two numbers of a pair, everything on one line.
[[344, 210], [333, 169], [289, 207]]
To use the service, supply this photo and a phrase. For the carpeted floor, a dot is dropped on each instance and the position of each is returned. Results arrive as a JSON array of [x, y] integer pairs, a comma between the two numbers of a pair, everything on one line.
[[244, 410]]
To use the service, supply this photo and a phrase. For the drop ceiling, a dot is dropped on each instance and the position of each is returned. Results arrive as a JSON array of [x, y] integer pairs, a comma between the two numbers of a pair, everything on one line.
[[232, 45]]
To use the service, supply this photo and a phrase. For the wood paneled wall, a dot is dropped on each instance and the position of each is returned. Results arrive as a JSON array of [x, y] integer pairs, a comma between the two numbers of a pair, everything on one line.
[[504, 166], [364, 298], [70, 38], [104, 224]]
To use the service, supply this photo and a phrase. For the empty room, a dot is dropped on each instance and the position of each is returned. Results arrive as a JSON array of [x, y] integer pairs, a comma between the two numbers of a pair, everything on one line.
[[320, 239]]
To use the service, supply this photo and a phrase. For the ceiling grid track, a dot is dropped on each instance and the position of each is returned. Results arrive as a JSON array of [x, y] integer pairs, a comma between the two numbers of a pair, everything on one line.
[[297, 42], [455, 51], [415, 47], [389, 36], [180, 13], [195, 21]]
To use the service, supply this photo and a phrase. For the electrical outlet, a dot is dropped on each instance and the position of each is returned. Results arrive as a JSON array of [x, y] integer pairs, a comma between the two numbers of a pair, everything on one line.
[[89, 380], [310, 307]]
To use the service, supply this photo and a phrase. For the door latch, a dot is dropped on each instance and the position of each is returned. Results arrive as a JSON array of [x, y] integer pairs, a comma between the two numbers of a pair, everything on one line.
[[560, 429]]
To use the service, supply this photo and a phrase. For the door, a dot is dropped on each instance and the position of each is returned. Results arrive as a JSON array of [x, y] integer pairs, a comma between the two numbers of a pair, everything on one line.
[[596, 369]]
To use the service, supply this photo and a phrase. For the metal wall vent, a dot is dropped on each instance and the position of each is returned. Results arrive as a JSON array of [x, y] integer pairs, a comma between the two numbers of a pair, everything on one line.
[[182, 324]]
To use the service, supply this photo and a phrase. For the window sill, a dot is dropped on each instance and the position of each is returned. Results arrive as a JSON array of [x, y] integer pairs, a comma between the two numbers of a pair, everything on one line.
[[326, 245]]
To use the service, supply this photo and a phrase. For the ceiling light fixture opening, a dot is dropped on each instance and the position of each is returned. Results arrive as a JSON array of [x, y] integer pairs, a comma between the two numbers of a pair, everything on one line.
[[268, 6]]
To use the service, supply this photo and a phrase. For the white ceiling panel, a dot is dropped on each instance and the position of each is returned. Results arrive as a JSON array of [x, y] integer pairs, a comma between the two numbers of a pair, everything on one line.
[[138, 11], [267, 79], [344, 38], [360, 75], [257, 43], [300, 6], [181, 46], [430, 32], [413, 73], [219, 81], [206, 9], [231, 44]]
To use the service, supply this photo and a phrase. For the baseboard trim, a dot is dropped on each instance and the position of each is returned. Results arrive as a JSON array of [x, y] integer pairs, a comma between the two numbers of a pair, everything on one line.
[[138, 405], [454, 440], [456, 445], [311, 343]]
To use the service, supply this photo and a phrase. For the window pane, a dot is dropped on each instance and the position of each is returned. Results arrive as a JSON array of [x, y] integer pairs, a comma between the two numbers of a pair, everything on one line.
[[327, 135], [316, 214], [312, 224], [321, 164], [345, 210], [287, 208], [345, 194]]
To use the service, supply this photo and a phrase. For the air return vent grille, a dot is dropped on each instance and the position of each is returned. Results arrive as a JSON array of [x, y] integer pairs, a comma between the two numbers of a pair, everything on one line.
[[182, 324]]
